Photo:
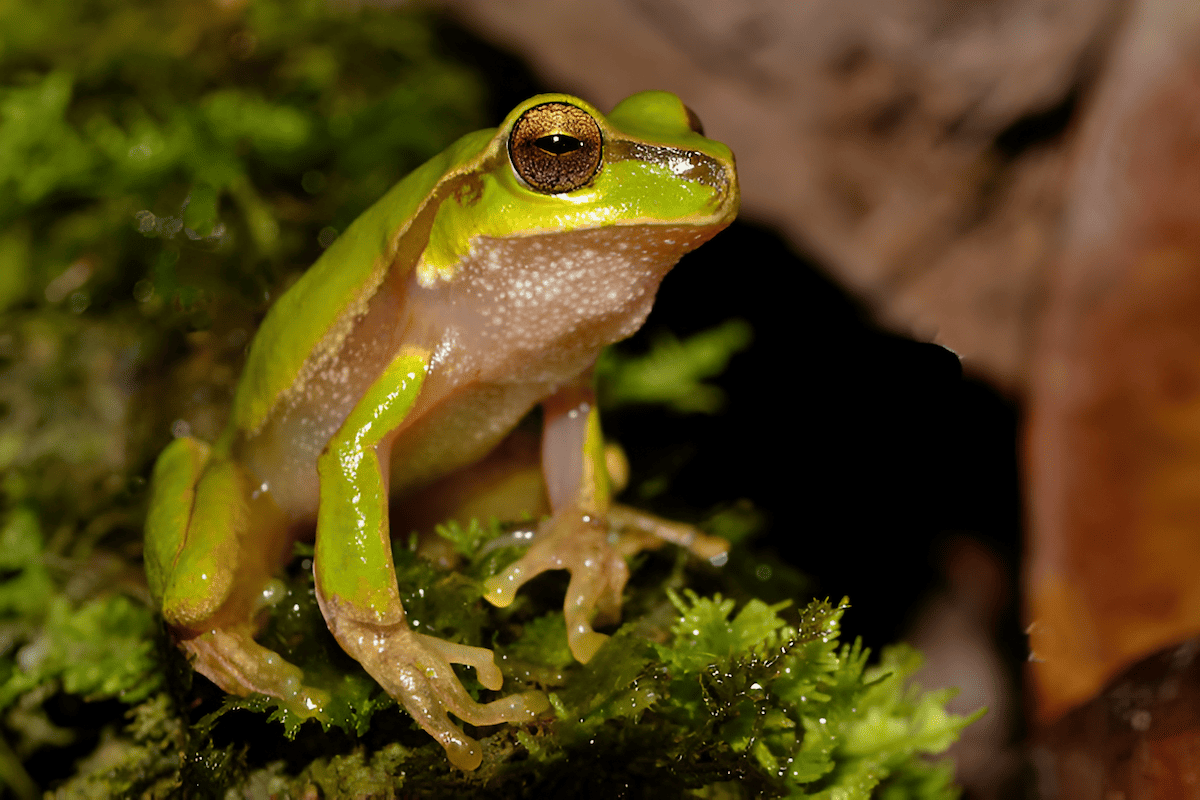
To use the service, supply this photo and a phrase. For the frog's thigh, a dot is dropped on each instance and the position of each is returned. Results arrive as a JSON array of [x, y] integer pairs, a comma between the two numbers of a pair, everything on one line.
[[356, 580], [197, 513], [207, 572], [172, 496]]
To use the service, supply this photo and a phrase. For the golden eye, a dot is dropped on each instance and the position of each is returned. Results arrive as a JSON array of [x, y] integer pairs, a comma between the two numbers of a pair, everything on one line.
[[555, 147]]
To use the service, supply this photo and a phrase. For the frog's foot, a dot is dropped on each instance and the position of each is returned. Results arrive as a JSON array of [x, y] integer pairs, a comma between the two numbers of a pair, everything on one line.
[[580, 545], [415, 670], [643, 531], [231, 659]]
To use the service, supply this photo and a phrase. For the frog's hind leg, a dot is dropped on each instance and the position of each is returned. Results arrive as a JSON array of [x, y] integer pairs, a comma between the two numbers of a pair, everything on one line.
[[212, 545]]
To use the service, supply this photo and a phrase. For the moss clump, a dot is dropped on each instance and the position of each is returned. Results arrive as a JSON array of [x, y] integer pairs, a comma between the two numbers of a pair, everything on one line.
[[691, 698]]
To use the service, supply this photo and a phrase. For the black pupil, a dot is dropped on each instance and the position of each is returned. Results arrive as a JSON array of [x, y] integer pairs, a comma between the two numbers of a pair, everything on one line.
[[558, 144]]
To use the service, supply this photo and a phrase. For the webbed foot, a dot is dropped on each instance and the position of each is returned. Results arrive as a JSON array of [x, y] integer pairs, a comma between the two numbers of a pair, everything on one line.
[[415, 670], [644, 531], [594, 552], [579, 544], [231, 659]]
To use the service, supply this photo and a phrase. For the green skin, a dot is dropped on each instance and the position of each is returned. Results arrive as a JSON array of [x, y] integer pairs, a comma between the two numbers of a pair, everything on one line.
[[405, 355]]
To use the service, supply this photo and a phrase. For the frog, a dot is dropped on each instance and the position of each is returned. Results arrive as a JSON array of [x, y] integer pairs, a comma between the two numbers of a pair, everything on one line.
[[481, 286]]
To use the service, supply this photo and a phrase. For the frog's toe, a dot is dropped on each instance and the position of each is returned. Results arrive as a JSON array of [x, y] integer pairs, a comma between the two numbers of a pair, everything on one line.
[[641, 530], [480, 658], [230, 658], [433, 658], [430, 706], [556, 545], [584, 643], [422, 702], [416, 670], [598, 575], [593, 597], [501, 589]]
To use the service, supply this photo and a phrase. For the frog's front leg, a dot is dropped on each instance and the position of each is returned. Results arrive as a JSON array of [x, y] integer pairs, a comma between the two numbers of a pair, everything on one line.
[[356, 579], [576, 538], [587, 534]]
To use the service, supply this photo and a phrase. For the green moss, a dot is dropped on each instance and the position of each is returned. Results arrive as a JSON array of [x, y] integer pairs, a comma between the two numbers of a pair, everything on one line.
[[144, 758], [721, 693]]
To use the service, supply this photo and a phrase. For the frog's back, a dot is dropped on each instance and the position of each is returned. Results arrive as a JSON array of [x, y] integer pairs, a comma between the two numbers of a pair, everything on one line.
[[307, 324]]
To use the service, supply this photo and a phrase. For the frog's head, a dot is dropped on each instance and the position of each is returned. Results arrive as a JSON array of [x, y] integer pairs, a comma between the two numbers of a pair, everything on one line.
[[648, 162], [557, 166]]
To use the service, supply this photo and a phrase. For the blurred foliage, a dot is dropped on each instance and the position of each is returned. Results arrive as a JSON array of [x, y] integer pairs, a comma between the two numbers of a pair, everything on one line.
[[165, 171], [672, 372], [184, 144]]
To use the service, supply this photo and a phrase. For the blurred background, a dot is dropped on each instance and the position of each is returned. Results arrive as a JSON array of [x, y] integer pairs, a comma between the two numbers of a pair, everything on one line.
[[969, 253]]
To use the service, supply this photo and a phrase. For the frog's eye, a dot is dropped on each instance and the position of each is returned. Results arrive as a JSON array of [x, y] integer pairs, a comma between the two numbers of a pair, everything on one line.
[[555, 147], [694, 121]]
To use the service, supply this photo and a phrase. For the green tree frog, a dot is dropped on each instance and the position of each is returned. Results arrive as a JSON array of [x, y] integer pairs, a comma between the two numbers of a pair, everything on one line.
[[484, 283]]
